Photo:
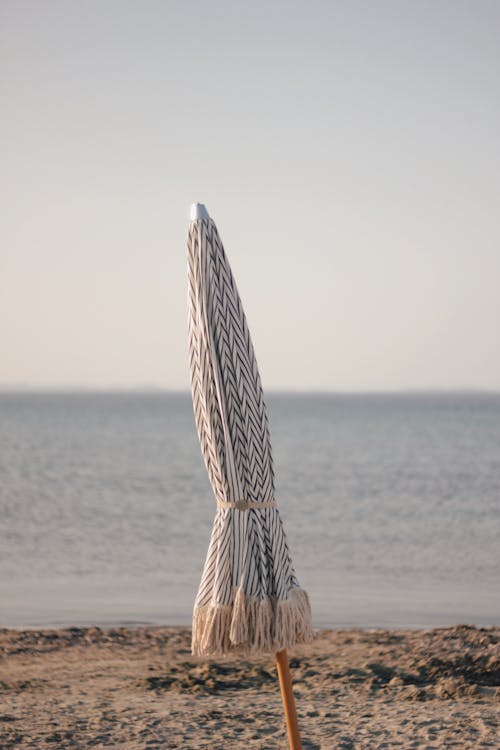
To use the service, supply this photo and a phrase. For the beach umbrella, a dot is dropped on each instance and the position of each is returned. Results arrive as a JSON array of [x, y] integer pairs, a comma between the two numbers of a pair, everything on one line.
[[249, 600]]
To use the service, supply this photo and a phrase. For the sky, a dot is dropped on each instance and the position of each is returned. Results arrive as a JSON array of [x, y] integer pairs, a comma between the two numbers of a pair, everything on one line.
[[348, 152]]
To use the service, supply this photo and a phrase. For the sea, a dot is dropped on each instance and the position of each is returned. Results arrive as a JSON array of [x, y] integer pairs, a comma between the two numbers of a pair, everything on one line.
[[390, 501]]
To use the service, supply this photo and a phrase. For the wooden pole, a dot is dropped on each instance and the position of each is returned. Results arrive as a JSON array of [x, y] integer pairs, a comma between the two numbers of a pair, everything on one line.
[[292, 725]]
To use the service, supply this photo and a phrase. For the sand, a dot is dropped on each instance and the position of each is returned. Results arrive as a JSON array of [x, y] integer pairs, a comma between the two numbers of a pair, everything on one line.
[[140, 687]]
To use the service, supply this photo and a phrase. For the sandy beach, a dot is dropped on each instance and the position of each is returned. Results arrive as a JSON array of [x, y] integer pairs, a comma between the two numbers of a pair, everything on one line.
[[139, 687]]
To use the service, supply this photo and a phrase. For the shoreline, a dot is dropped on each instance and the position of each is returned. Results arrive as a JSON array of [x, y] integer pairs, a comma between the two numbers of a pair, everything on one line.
[[138, 686], [135, 624]]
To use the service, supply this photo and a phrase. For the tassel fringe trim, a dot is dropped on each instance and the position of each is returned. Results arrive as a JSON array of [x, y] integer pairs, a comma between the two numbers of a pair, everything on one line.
[[252, 625]]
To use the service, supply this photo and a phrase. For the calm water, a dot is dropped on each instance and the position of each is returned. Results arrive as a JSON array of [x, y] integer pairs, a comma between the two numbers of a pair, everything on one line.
[[391, 504]]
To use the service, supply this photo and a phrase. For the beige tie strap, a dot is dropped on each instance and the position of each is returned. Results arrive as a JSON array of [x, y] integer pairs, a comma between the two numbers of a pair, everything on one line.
[[244, 505]]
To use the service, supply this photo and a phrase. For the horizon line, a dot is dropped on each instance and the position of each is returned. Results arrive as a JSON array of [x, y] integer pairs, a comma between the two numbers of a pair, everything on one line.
[[27, 388]]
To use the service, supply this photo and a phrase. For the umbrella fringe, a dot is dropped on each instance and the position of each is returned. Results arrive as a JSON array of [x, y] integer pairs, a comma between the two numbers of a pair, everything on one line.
[[252, 625], [211, 629], [293, 620]]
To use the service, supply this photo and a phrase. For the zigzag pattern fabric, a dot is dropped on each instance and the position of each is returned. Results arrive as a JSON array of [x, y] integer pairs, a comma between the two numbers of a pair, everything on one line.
[[249, 599]]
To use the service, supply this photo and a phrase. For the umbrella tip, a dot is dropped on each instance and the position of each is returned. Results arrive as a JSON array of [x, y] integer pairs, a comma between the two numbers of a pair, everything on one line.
[[198, 211]]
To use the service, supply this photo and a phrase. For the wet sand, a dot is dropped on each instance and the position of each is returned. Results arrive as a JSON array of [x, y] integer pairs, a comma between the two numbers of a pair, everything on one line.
[[356, 689]]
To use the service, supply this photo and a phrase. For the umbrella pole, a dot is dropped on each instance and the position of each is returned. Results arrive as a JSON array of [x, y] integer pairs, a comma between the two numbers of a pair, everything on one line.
[[292, 725]]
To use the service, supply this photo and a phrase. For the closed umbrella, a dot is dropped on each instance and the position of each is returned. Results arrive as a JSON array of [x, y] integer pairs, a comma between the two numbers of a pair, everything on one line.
[[249, 600]]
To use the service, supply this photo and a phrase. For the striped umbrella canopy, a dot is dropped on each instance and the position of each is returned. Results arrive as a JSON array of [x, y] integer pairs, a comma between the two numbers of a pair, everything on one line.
[[249, 599]]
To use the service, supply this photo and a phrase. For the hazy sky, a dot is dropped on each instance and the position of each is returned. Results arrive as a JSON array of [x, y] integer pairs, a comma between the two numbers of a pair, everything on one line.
[[348, 151]]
